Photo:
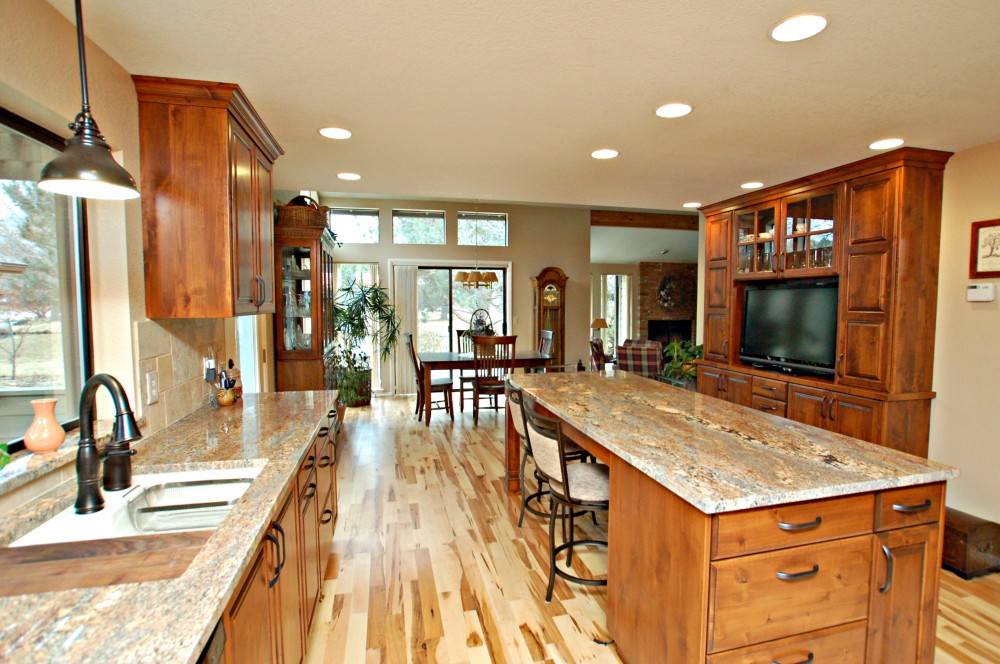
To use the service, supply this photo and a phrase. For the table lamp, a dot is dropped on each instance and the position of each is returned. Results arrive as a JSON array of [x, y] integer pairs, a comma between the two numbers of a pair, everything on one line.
[[599, 324]]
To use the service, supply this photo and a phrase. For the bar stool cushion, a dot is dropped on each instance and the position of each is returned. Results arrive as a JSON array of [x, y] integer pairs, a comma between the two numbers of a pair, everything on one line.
[[589, 483]]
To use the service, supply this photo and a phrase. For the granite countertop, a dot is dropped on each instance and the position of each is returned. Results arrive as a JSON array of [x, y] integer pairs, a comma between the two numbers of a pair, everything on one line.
[[716, 455], [170, 620]]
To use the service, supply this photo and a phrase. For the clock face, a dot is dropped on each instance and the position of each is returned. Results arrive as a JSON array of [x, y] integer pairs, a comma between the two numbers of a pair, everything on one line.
[[550, 296]]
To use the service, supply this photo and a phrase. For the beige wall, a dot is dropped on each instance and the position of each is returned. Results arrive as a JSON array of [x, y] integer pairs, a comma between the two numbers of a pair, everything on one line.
[[965, 429], [538, 237], [39, 81]]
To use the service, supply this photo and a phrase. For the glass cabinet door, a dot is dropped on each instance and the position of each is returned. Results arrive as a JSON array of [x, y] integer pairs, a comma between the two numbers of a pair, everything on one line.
[[810, 228], [755, 241], [296, 305]]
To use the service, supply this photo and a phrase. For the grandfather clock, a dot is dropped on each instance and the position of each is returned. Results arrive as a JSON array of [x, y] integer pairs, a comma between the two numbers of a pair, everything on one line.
[[550, 308]]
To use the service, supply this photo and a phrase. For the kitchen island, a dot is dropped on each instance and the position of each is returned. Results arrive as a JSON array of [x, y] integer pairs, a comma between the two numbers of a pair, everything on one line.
[[171, 620], [736, 536]]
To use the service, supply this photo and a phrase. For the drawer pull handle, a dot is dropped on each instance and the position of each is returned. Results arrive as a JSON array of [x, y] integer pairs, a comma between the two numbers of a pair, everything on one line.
[[327, 517], [807, 660], [324, 432], [764, 406], [769, 387], [792, 576], [324, 461], [277, 568], [888, 570], [792, 527], [912, 508]]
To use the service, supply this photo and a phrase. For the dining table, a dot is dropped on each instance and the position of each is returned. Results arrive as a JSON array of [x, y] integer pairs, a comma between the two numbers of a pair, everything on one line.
[[438, 361]]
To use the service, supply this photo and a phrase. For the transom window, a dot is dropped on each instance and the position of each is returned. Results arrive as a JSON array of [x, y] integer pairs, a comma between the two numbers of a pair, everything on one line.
[[487, 229], [354, 225], [418, 227]]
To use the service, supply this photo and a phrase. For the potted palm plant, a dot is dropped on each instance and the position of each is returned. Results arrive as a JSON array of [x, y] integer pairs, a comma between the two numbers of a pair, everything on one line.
[[360, 312], [679, 362]]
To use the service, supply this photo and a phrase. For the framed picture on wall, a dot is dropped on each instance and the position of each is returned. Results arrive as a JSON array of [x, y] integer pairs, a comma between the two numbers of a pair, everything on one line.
[[984, 253]]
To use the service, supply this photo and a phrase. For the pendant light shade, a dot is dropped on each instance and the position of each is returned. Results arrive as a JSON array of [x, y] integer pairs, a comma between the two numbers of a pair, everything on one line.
[[86, 168]]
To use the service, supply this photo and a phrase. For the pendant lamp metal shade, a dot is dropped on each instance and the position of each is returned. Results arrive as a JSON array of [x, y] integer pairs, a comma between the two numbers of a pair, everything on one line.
[[86, 168]]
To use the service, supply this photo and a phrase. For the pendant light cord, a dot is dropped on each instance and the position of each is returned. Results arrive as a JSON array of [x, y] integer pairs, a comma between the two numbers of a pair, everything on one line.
[[83, 58]]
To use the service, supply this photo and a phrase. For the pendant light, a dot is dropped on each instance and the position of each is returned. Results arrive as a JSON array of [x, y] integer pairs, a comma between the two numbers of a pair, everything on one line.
[[86, 168], [475, 278]]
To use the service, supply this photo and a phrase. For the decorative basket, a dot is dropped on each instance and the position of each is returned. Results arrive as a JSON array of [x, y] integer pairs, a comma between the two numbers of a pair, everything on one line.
[[301, 215]]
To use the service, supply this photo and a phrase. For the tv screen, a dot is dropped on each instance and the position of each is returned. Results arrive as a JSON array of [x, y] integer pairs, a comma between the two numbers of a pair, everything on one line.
[[791, 327]]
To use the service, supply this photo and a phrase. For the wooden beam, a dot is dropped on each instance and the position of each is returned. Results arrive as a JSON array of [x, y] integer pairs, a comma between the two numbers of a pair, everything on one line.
[[623, 219]]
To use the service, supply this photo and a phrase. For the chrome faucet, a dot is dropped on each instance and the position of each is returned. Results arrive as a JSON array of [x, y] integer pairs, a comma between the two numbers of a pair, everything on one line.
[[118, 457]]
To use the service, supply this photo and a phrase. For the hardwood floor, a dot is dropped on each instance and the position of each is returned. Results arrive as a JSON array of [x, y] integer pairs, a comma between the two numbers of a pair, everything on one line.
[[429, 565]]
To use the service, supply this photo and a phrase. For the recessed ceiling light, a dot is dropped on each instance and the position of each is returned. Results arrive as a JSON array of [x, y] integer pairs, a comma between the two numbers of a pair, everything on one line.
[[335, 132], [604, 153], [673, 110], [692, 205], [752, 185], [348, 176], [797, 28], [887, 143]]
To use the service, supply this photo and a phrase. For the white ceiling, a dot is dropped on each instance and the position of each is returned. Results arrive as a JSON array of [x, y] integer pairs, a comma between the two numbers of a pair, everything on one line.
[[504, 101], [634, 245]]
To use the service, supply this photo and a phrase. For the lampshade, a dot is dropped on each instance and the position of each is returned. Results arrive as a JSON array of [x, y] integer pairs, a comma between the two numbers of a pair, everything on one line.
[[86, 168], [462, 276], [475, 276], [489, 278], [599, 324]]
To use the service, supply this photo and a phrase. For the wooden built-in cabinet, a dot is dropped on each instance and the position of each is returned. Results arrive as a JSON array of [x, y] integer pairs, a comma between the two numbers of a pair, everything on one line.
[[303, 324], [206, 161], [874, 225], [732, 386], [269, 617]]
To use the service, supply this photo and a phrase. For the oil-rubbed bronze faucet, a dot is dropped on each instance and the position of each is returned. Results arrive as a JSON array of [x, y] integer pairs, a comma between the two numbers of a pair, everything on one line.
[[118, 459]]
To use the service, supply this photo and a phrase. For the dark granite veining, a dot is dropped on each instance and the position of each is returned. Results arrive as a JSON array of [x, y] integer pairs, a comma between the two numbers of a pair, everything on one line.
[[170, 621], [716, 455]]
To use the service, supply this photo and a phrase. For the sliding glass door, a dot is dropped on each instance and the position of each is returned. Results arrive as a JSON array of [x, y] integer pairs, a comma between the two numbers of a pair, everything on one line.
[[445, 306]]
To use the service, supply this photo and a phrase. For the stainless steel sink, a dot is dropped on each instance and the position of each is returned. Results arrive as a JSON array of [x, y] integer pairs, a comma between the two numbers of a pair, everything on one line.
[[184, 505]]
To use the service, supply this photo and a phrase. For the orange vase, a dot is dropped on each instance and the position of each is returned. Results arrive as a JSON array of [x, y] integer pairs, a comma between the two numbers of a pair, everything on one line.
[[45, 433]]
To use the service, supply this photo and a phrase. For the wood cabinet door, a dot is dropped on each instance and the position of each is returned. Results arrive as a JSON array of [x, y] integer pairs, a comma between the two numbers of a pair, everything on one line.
[[311, 573], [856, 417], [710, 381], [810, 229], [737, 388], [717, 287], [903, 603], [807, 405], [248, 619], [866, 289], [289, 590], [243, 221], [264, 251], [717, 238], [716, 335]]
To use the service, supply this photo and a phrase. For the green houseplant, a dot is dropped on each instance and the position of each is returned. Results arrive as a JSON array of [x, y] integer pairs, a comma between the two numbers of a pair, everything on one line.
[[679, 361], [359, 312]]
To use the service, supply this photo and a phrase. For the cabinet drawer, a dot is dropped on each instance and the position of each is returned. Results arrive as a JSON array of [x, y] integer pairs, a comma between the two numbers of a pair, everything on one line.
[[908, 506], [772, 389], [844, 644], [767, 528], [766, 405], [767, 596]]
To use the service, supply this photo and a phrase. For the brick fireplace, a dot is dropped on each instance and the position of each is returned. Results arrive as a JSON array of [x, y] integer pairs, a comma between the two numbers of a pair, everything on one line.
[[678, 322]]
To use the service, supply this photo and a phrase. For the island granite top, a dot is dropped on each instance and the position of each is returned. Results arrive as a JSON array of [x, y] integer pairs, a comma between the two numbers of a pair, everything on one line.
[[169, 620], [718, 456]]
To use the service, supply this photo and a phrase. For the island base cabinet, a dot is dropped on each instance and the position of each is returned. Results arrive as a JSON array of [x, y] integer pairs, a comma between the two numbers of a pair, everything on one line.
[[248, 620], [844, 644], [904, 595], [288, 588]]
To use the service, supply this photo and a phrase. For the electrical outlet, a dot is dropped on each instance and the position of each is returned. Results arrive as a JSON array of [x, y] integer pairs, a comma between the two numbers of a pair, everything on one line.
[[152, 387]]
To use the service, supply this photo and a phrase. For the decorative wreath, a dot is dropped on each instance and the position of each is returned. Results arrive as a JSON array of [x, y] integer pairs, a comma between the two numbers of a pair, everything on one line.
[[665, 293]]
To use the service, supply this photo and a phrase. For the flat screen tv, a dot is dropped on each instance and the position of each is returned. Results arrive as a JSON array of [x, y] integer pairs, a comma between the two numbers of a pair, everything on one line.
[[791, 327]]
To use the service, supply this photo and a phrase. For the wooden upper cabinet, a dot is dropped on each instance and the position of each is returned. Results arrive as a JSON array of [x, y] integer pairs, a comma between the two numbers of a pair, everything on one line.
[[810, 229], [757, 234], [206, 160], [717, 238]]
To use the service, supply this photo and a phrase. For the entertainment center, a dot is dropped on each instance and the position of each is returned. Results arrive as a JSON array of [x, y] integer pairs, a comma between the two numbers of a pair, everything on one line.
[[862, 239]]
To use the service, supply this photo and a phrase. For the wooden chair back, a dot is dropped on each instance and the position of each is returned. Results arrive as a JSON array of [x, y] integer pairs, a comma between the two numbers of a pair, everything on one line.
[[493, 358], [545, 338], [413, 357], [464, 341]]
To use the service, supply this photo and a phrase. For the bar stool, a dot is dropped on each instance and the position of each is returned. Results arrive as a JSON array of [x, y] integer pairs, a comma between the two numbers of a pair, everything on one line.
[[575, 488], [515, 402]]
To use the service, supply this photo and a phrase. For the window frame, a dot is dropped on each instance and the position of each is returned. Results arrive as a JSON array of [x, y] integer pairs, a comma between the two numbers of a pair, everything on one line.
[[479, 217], [426, 214], [51, 139]]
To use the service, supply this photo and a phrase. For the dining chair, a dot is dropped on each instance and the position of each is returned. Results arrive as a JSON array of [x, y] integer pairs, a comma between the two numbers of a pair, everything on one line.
[[574, 489], [438, 385], [545, 339], [463, 344], [493, 359]]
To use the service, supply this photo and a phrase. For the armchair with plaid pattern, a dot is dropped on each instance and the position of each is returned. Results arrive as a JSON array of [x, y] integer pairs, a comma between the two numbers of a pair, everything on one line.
[[641, 357]]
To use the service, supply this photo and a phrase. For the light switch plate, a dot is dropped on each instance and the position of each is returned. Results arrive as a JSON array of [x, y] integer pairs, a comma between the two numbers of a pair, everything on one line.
[[152, 387], [980, 293]]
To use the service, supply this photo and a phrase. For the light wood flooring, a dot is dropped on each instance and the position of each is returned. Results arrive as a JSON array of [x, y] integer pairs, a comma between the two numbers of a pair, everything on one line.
[[429, 565]]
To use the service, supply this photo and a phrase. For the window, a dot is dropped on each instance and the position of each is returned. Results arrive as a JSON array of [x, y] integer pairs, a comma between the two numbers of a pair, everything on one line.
[[354, 226], [487, 229], [44, 326], [615, 302], [444, 305], [418, 227]]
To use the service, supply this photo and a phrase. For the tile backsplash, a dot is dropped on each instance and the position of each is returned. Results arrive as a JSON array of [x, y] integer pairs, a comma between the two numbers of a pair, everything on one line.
[[174, 349]]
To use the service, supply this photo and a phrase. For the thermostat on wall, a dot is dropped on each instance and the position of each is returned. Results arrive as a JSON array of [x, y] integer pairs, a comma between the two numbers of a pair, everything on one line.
[[979, 293]]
